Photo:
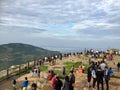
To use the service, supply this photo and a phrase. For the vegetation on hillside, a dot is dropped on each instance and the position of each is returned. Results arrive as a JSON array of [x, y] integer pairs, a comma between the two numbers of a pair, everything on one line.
[[17, 53]]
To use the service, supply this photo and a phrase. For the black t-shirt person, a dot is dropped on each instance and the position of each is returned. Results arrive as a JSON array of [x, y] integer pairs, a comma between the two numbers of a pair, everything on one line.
[[58, 84]]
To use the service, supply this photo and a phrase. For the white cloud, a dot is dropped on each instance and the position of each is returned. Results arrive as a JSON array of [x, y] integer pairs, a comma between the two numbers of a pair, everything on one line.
[[67, 10], [95, 25], [80, 20]]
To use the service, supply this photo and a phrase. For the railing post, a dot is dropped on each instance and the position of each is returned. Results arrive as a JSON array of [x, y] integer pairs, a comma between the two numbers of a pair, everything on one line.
[[7, 73], [34, 62], [19, 70], [28, 65]]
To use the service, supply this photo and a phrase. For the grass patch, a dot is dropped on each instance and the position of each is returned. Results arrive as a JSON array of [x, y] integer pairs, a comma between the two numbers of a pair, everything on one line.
[[57, 67], [59, 73], [68, 65], [86, 67], [43, 68]]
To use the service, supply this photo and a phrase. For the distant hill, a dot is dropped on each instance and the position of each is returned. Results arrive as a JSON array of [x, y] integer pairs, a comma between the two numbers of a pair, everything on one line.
[[18, 53]]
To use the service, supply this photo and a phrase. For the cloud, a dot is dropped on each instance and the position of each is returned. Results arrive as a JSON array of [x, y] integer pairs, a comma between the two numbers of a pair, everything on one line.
[[79, 20], [94, 25], [61, 11], [23, 29], [97, 29]]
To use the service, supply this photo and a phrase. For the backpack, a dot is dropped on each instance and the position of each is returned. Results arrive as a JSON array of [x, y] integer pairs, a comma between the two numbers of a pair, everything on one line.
[[107, 76]]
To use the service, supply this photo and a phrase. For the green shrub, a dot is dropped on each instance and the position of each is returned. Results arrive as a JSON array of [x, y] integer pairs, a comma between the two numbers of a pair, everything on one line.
[[59, 73], [68, 65], [43, 68], [86, 67], [77, 64]]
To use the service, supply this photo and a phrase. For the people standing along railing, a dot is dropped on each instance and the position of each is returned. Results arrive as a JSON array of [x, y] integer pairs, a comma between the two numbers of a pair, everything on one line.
[[24, 68]]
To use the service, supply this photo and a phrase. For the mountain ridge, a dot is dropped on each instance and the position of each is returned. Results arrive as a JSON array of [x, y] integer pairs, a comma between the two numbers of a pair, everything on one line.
[[19, 53]]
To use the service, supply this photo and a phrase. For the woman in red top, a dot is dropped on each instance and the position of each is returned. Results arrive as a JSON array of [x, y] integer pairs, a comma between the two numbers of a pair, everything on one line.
[[49, 77], [53, 81]]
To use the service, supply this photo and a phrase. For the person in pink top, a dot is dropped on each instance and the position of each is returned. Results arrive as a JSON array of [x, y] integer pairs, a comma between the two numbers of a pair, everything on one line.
[[53, 81]]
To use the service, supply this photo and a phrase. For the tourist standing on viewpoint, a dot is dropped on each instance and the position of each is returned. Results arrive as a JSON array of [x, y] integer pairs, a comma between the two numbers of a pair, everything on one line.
[[66, 84], [58, 84], [34, 86], [72, 80], [38, 72], [103, 65], [89, 75], [64, 71], [25, 84], [53, 82], [107, 77], [49, 76], [14, 83], [99, 78], [94, 77], [118, 66], [72, 69]]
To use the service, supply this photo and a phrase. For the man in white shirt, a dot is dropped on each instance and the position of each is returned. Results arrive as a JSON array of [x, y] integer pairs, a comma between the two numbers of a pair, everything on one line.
[[103, 65]]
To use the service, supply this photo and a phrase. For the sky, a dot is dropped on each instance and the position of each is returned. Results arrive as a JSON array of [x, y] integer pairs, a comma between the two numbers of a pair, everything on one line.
[[61, 23]]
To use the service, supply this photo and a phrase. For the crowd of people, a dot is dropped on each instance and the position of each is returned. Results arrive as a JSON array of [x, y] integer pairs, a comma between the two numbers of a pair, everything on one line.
[[57, 84], [97, 73]]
